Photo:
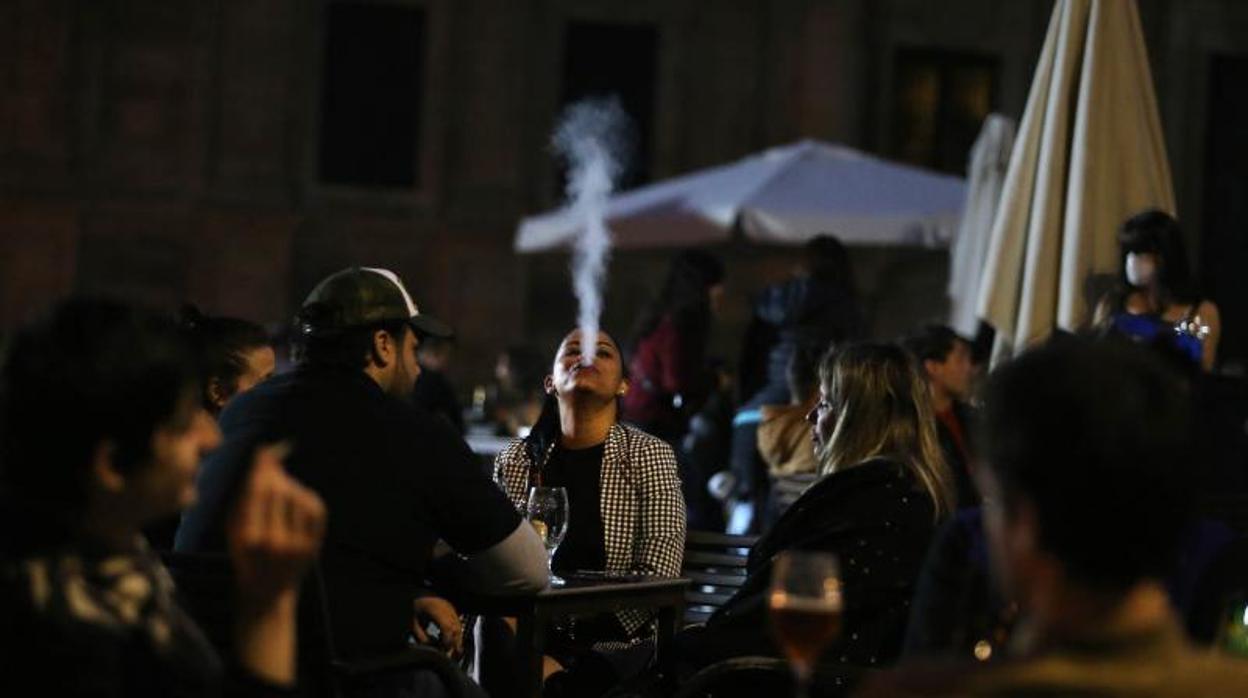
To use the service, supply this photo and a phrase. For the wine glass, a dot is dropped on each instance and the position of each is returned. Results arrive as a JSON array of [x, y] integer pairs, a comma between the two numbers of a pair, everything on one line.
[[548, 512], [805, 603]]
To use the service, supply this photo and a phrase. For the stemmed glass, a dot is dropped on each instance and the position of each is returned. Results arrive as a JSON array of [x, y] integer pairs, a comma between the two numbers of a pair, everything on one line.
[[805, 603], [548, 512]]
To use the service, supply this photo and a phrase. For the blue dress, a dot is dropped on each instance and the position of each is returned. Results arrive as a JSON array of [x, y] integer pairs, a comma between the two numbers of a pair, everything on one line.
[[1148, 328]]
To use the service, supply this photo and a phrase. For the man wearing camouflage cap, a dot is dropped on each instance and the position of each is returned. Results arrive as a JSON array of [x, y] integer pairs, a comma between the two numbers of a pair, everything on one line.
[[395, 479]]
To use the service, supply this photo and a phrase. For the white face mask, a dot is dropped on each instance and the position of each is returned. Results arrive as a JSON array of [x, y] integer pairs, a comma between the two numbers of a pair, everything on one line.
[[1141, 269]]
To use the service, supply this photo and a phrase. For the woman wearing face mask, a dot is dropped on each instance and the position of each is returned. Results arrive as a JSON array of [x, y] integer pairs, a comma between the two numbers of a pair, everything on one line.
[[626, 512], [1157, 301]]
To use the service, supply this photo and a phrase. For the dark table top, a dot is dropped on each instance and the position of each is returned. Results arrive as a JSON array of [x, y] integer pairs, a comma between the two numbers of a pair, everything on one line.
[[584, 592]]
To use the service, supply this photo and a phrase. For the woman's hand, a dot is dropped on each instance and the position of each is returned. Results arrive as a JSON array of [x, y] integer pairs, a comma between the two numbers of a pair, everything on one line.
[[273, 534], [440, 612]]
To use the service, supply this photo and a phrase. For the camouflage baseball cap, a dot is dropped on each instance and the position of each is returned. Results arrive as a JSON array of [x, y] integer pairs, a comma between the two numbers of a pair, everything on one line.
[[359, 297]]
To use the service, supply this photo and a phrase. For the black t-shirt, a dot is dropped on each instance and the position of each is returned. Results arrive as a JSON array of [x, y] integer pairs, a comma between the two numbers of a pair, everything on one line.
[[579, 472], [394, 480]]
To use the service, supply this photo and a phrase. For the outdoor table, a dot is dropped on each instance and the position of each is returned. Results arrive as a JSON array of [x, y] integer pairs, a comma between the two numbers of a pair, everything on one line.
[[486, 447], [487, 444], [536, 613]]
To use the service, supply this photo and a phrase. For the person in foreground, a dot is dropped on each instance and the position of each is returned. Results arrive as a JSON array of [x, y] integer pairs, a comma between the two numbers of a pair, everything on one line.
[[1085, 502], [85, 607], [627, 515], [883, 488]]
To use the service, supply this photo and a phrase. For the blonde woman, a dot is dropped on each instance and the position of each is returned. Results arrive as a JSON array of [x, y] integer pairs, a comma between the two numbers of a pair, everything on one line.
[[883, 488]]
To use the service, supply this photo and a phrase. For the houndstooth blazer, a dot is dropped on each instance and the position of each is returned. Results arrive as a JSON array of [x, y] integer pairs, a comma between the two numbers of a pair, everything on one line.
[[643, 510]]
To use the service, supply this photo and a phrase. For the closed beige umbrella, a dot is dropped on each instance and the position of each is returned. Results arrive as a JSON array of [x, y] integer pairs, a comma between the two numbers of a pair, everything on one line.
[[985, 177], [1089, 153]]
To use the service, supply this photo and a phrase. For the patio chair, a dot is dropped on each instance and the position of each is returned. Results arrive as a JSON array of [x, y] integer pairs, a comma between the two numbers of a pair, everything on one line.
[[715, 562], [205, 583]]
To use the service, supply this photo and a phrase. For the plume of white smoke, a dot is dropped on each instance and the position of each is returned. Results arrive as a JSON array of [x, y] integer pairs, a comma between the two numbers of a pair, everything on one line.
[[591, 137]]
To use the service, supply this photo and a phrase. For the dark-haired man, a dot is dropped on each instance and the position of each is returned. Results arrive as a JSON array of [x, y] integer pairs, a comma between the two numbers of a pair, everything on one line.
[[394, 478], [1085, 501], [944, 359]]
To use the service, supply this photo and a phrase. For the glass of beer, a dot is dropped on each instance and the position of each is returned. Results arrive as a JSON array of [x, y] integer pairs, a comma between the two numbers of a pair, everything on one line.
[[547, 510], [805, 603]]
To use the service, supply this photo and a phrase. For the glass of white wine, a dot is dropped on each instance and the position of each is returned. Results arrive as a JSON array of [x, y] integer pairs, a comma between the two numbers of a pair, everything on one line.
[[547, 511], [806, 606]]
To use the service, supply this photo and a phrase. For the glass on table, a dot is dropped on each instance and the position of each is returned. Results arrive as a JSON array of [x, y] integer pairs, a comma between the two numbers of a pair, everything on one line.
[[547, 511], [805, 605]]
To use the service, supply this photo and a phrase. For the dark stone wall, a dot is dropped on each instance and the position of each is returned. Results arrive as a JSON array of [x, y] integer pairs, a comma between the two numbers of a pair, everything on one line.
[[165, 151]]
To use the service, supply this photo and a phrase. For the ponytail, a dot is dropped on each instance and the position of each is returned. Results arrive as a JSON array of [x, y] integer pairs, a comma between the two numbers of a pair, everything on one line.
[[541, 437], [219, 344]]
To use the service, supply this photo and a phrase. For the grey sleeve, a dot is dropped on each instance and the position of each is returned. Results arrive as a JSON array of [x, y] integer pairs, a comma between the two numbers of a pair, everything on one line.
[[516, 564]]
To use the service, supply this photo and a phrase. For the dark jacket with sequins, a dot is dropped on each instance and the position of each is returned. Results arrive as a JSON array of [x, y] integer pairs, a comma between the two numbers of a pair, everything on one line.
[[878, 521]]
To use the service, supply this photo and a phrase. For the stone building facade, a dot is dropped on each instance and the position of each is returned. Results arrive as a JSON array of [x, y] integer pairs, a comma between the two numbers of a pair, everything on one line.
[[174, 150]]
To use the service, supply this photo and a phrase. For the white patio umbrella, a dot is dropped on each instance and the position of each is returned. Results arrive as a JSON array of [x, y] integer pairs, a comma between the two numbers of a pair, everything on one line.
[[990, 156], [1089, 153], [785, 195]]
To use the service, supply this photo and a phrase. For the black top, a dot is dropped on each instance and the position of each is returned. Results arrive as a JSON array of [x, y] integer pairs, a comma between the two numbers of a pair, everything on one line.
[[878, 521], [394, 480], [579, 472]]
